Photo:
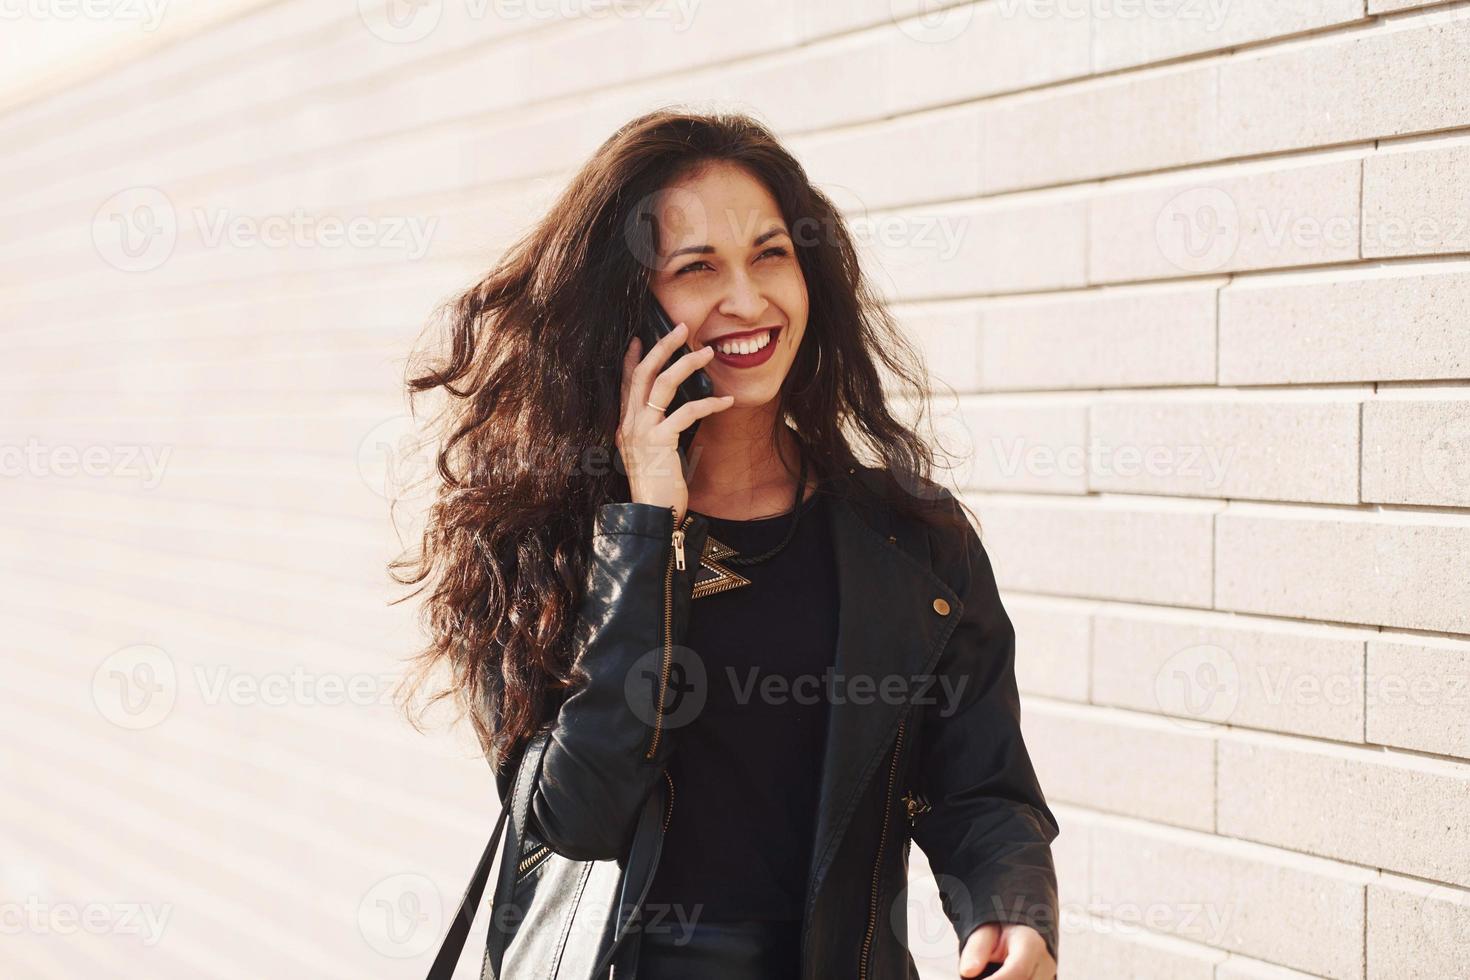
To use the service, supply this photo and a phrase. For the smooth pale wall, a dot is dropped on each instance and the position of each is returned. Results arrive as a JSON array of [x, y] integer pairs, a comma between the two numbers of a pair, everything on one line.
[[1194, 282]]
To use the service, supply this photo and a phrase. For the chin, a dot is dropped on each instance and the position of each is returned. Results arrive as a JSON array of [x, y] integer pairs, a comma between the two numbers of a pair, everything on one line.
[[751, 397]]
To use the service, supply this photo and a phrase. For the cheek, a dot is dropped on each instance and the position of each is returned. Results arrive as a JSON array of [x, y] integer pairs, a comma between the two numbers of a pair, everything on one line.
[[794, 300]]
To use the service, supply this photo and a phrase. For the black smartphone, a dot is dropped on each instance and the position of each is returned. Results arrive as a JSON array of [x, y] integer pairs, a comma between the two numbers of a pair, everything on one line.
[[655, 326]]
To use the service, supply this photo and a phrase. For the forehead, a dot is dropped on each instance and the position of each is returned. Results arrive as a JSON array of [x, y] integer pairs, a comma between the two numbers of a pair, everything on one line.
[[722, 203]]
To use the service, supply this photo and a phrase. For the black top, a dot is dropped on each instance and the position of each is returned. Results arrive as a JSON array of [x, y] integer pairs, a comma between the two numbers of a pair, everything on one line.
[[746, 771]]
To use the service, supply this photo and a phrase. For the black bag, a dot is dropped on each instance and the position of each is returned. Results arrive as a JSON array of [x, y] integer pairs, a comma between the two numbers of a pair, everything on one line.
[[566, 902]]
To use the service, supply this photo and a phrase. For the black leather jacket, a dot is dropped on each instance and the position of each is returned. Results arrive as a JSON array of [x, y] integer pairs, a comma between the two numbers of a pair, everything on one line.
[[947, 770]]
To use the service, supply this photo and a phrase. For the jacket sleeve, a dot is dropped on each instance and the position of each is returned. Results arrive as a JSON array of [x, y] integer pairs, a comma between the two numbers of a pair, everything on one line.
[[608, 745], [988, 835]]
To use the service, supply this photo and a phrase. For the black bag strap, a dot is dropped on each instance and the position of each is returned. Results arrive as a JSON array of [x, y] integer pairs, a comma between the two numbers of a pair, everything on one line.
[[459, 928], [519, 806]]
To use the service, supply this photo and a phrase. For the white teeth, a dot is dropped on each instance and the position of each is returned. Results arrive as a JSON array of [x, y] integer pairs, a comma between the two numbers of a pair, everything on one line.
[[748, 345]]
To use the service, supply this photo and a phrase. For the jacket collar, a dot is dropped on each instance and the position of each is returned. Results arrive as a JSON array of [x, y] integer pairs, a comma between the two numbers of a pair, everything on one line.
[[888, 627]]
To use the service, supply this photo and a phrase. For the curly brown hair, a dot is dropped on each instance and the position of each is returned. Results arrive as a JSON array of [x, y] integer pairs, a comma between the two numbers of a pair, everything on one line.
[[529, 368]]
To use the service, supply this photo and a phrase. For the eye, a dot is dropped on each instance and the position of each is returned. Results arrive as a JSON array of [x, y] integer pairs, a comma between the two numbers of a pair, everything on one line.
[[779, 250]]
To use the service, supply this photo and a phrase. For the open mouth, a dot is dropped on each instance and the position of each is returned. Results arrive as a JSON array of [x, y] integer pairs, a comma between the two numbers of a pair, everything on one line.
[[748, 350]]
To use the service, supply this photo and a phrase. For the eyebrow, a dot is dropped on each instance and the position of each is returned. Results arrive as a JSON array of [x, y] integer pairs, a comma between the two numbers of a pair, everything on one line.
[[709, 249]]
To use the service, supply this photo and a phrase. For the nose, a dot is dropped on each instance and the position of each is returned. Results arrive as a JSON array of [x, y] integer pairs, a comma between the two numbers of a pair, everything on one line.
[[743, 299]]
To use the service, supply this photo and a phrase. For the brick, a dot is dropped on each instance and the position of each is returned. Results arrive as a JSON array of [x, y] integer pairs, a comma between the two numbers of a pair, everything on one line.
[[1170, 777], [1416, 201], [838, 81], [1100, 948], [963, 52], [1417, 931], [1417, 452], [1369, 85], [1256, 674], [1071, 853], [1303, 449], [1230, 220], [1127, 124], [1109, 338], [1052, 642], [1407, 570], [1154, 551], [1240, 968], [947, 338], [1141, 33], [1418, 695], [1392, 324], [816, 20], [1231, 895], [1339, 801], [964, 250], [1394, 6], [892, 163], [1022, 443]]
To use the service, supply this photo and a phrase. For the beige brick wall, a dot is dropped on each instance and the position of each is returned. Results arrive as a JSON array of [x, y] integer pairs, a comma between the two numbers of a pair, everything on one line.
[[1196, 271]]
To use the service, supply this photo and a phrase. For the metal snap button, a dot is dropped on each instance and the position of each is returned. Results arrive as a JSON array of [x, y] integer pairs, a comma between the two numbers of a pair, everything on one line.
[[941, 607]]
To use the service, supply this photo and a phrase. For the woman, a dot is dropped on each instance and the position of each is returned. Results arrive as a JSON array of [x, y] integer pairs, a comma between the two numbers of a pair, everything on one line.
[[804, 656]]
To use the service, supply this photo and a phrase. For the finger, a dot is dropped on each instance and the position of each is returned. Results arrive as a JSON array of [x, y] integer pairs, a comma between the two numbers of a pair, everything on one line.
[[698, 409], [653, 362], [630, 361], [1022, 957], [668, 381], [978, 949]]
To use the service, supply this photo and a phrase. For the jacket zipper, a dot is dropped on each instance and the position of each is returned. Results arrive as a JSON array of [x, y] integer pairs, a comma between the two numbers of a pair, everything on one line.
[[531, 860], [542, 850], [878, 861], [676, 560]]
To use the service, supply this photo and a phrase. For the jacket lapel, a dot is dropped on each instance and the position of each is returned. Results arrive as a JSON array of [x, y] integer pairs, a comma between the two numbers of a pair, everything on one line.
[[887, 627]]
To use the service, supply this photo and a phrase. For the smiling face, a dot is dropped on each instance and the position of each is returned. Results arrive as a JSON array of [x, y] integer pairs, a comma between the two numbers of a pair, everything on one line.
[[727, 267]]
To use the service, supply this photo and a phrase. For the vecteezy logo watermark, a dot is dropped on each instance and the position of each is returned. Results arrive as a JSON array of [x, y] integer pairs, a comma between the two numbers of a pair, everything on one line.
[[839, 688], [1198, 685], [394, 459], [135, 687], [147, 14], [1198, 230], [684, 682], [681, 679], [138, 687], [408, 21], [937, 22], [37, 917], [409, 234], [941, 234], [401, 21], [298, 686], [138, 229], [400, 916], [678, 215], [38, 460], [1207, 463]]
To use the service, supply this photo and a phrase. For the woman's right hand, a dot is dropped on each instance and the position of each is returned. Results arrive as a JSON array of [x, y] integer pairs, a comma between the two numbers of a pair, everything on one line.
[[647, 439]]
